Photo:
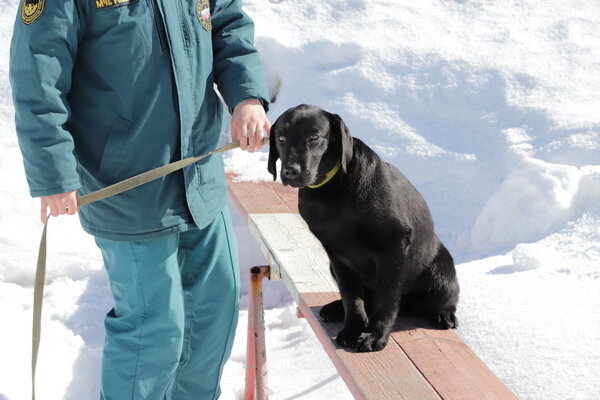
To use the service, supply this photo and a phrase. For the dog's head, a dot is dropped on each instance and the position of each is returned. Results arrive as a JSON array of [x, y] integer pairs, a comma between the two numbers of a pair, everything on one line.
[[310, 142]]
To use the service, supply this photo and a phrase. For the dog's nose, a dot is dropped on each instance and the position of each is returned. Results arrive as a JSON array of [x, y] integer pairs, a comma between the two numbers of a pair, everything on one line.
[[291, 171]]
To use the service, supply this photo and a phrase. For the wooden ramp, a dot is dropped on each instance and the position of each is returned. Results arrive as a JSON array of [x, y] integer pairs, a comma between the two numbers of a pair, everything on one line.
[[419, 363]]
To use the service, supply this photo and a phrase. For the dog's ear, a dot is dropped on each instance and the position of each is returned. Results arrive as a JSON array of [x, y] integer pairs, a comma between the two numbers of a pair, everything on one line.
[[273, 154], [338, 125]]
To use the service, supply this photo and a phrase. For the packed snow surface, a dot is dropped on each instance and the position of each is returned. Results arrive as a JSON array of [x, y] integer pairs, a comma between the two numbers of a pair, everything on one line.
[[492, 110]]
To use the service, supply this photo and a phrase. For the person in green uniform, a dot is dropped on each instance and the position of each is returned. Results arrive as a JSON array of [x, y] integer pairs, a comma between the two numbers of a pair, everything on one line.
[[104, 90]]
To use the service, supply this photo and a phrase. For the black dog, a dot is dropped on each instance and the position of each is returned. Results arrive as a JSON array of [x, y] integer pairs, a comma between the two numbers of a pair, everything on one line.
[[373, 223]]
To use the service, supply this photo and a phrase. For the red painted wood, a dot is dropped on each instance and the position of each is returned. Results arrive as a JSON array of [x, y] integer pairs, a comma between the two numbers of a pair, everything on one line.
[[387, 374], [262, 197], [450, 366]]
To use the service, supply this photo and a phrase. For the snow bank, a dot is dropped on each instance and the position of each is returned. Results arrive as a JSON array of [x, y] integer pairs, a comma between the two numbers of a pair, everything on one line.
[[535, 199]]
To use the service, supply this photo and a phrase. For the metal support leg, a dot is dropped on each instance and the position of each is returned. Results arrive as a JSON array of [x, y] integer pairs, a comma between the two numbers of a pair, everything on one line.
[[256, 353]]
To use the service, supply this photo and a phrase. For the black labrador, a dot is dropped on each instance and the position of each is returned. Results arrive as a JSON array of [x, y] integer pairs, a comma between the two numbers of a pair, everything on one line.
[[373, 223]]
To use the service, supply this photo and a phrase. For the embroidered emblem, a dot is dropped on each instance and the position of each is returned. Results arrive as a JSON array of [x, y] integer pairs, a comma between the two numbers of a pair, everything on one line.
[[203, 11], [102, 4], [32, 10]]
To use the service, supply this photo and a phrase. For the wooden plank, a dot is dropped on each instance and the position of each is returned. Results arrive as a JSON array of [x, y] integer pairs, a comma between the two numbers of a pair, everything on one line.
[[386, 374], [287, 241], [262, 197], [450, 366]]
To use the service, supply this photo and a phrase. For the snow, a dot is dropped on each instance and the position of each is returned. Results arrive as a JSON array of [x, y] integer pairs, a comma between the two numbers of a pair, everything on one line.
[[490, 108]]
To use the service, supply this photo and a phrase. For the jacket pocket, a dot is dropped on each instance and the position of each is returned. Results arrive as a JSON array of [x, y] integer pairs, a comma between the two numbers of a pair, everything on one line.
[[121, 32], [114, 154]]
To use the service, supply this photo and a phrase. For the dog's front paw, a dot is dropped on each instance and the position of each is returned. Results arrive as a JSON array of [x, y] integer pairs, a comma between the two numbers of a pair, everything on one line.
[[368, 342], [333, 312]]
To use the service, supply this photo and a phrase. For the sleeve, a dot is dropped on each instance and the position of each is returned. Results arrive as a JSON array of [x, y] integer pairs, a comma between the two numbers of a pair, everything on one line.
[[42, 54], [238, 70]]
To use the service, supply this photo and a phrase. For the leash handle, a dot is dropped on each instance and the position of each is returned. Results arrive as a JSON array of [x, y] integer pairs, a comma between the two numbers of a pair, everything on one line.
[[112, 190]]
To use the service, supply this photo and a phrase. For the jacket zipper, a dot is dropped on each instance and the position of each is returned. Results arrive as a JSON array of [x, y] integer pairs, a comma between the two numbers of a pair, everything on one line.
[[160, 27], [187, 35]]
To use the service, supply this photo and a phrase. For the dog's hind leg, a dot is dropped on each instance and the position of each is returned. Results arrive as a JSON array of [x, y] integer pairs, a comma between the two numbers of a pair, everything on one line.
[[436, 292], [333, 312], [446, 289]]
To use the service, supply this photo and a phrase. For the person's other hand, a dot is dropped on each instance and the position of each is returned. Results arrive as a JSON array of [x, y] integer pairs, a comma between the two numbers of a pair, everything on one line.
[[59, 204], [248, 123]]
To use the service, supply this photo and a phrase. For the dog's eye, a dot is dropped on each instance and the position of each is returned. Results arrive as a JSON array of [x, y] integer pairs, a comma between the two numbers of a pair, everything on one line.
[[281, 138], [312, 138]]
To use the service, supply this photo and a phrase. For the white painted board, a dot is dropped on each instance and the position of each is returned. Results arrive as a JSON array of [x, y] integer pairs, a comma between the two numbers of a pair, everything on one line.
[[295, 254]]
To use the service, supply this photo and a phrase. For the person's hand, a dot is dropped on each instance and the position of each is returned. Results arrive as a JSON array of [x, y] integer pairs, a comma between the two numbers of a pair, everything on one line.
[[248, 123], [59, 204]]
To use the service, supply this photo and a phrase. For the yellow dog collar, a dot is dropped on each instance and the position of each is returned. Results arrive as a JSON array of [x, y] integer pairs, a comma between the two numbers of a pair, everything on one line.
[[328, 177]]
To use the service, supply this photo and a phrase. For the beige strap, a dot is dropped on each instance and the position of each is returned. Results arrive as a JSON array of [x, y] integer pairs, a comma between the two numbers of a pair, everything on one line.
[[119, 187], [149, 176], [38, 294]]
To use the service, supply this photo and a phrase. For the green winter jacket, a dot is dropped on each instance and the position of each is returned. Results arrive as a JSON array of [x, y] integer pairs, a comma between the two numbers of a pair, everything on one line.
[[106, 89]]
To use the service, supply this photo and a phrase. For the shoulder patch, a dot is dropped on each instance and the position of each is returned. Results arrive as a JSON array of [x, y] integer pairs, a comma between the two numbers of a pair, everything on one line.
[[203, 12], [31, 10]]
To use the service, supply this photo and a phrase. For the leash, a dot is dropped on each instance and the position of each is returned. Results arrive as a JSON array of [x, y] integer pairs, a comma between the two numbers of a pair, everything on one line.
[[112, 190]]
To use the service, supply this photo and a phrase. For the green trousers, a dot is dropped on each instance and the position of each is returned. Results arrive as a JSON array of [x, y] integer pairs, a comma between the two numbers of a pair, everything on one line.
[[175, 315]]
